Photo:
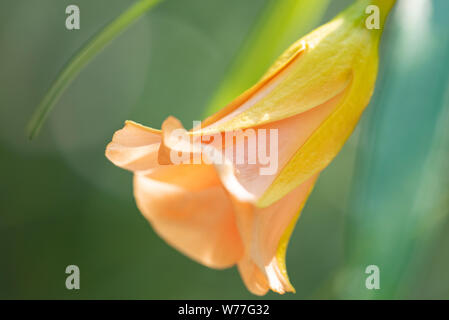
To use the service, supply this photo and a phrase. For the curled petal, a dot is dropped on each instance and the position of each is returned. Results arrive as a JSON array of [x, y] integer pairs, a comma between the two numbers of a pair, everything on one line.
[[134, 147], [301, 80], [265, 234], [292, 133], [327, 140]]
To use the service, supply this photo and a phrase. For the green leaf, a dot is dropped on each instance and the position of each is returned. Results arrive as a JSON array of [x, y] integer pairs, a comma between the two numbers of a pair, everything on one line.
[[281, 22], [82, 58]]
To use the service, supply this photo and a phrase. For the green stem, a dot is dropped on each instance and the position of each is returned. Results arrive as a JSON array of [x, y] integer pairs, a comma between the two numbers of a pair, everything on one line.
[[82, 58]]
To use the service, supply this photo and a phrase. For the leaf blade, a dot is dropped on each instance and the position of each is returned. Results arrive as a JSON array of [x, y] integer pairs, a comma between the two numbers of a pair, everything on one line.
[[86, 53]]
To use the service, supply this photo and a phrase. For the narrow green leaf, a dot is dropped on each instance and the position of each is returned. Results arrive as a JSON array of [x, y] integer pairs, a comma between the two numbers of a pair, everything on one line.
[[82, 58], [280, 23]]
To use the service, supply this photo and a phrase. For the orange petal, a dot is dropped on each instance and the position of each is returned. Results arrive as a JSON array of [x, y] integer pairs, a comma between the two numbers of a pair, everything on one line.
[[134, 147], [261, 231], [189, 208]]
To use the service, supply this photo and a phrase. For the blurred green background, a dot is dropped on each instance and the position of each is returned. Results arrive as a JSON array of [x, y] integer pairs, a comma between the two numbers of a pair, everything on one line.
[[383, 201]]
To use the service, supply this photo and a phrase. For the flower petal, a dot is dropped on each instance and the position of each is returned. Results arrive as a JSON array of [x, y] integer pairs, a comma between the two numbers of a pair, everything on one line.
[[134, 147], [265, 233], [298, 86], [325, 143], [244, 180], [292, 134], [189, 208]]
